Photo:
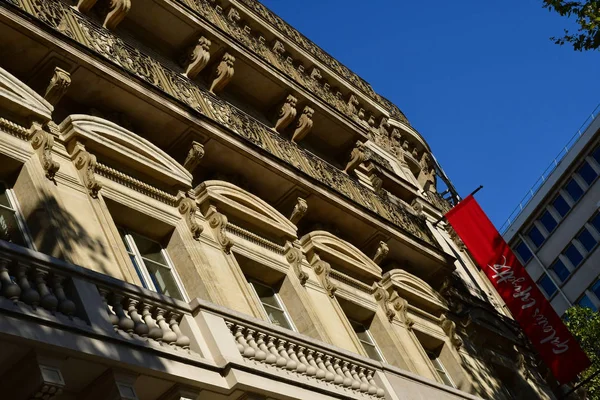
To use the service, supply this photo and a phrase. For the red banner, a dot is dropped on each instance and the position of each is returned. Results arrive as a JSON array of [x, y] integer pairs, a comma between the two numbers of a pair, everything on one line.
[[546, 331]]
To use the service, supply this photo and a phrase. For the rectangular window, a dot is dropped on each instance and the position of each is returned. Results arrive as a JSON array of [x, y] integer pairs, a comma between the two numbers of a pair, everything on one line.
[[367, 341], [586, 239], [548, 221], [596, 289], [560, 270], [536, 236], [573, 255], [152, 264], [547, 286], [440, 369], [574, 190], [561, 206], [587, 173], [585, 301], [523, 252], [272, 305], [12, 225], [596, 154], [596, 222]]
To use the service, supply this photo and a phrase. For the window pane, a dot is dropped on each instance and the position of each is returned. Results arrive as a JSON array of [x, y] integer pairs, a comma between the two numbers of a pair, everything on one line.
[[439, 367], [586, 302], [574, 190], [277, 317], [266, 295], [536, 236], [596, 289], [596, 154], [548, 221], [545, 283], [573, 255], [163, 280], [149, 249], [4, 201], [596, 222], [561, 206], [523, 252], [371, 351], [561, 271], [361, 332], [138, 270], [587, 173], [9, 227], [586, 239]]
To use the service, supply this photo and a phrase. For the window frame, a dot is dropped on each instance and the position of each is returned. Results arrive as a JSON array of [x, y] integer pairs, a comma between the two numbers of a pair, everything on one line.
[[371, 338], [277, 298], [436, 361], [16, 209]]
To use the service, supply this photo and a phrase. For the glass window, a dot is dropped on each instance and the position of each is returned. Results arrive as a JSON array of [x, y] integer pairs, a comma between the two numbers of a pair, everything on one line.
[[596, 154], [561, 206], [573, 255], [596, 289], [440, 369], [548, 221], [536, 236], [523, 252], [367, 341], [585, 301], [586, 239], [574, 190], [588, 173], [560, 270], [596, 222], [152, 264], [11, 223], [547, 286], [272, 305]]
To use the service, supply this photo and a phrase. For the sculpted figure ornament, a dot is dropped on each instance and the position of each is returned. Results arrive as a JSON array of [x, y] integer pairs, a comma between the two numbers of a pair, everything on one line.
[[449, 328], [382, 251], [194, 156], [294, 256], [305, 124], [86, 163], [196, 58], [224, 73], [59, 84], [323, 269], [287, 113], [353, 105], [315, 74], [187, 208], [377, 183], [418, 208], [278, 48], [218, 222], [299, 210], [42, 143], [118, 11], [356, 158], [85, 5]]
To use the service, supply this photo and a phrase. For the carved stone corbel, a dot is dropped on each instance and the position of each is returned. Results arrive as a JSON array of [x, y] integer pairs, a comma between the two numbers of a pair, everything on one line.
[[381, 253], [223, 73], [323, 269], [218, 222], [305, 124], [42, 143], [449, 328], [58, 86], [187, 208], [294, 256], [287, 113], [196, 58], [118, 11], [356, 158], [299, 210], [393, 305], [86, 163], [85, 5], [194, 156]]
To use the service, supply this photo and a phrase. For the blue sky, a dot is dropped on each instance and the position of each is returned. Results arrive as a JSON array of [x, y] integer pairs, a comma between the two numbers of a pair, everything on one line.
[[492, 95]]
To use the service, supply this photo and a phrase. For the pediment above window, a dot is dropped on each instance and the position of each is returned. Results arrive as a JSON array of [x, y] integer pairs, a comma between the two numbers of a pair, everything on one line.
[[21, 100], [415, 290]]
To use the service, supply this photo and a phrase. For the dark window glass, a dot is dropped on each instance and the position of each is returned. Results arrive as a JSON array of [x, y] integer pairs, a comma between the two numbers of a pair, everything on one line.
[[548, 221], [596, 222], [523, 252], [587, 302], [561, 206], [586, 239], [587, 173], [596, 154], [596, 289], [545, 283], [573, 255], [536, 236], [9, 225], [574, 190], [560, 270]]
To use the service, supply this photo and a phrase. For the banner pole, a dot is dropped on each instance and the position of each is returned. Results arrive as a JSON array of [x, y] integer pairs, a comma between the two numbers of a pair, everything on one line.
[[443, 216], [579, 385]]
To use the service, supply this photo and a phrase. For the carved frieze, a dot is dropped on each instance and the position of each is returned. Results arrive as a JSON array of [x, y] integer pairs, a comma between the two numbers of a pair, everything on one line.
[[287, 113], [59, 84], [224, 73], [305, 124], [196, 58]]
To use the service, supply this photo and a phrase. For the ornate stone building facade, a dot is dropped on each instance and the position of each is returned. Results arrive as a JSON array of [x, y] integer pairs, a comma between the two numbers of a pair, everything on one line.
[[197, 202]]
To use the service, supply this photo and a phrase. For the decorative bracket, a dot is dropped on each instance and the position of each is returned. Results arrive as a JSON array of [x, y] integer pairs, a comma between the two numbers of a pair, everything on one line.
[[305, 124], [323, 269], [299, 210], [382, 251], [194, 156], [223, 74], [196, 58], [294, 256], [356, 158], [287, 113], [118, 11], [42, 143], [85, 5], [86, 163], [449, 328], [218, 222], [58, 86], [187, 207], [394, 306]]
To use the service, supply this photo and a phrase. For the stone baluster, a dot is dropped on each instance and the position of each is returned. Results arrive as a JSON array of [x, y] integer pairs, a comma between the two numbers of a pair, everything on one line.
[[114, 320], [339, 376], [47, 299], [348, 381], [125, 323], [311, 370], [182, 340], [139, 327], [8, 288], [168, 336], [373, 389], [271, 358], [154, 330], [329, 374], [300, 367], [236, 331], [364, 385], [259, 355], [320, 373], [281, 361], [65, 306], [28, 294], [355, 378], [290, 364]]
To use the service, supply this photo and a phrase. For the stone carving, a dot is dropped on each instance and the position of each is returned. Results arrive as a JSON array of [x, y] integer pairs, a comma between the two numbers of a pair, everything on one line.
[[85, 5], [187, 207], [393, 305], [194, 156], [315, 74], [418, 208], [426, 177], [287, 113], [323, 269], [449, 328], [224, 73], [377, 183], [294, 256], [42, 142], [218, 222], [278, 48], [196, 58], [59, 84], [86, 163], [381, 253], [305, 124], [118, 11], [299, 210], [356, 158]]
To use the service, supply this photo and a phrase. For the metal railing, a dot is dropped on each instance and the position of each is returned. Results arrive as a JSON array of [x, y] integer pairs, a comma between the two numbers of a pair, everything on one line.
[[548, 171]]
